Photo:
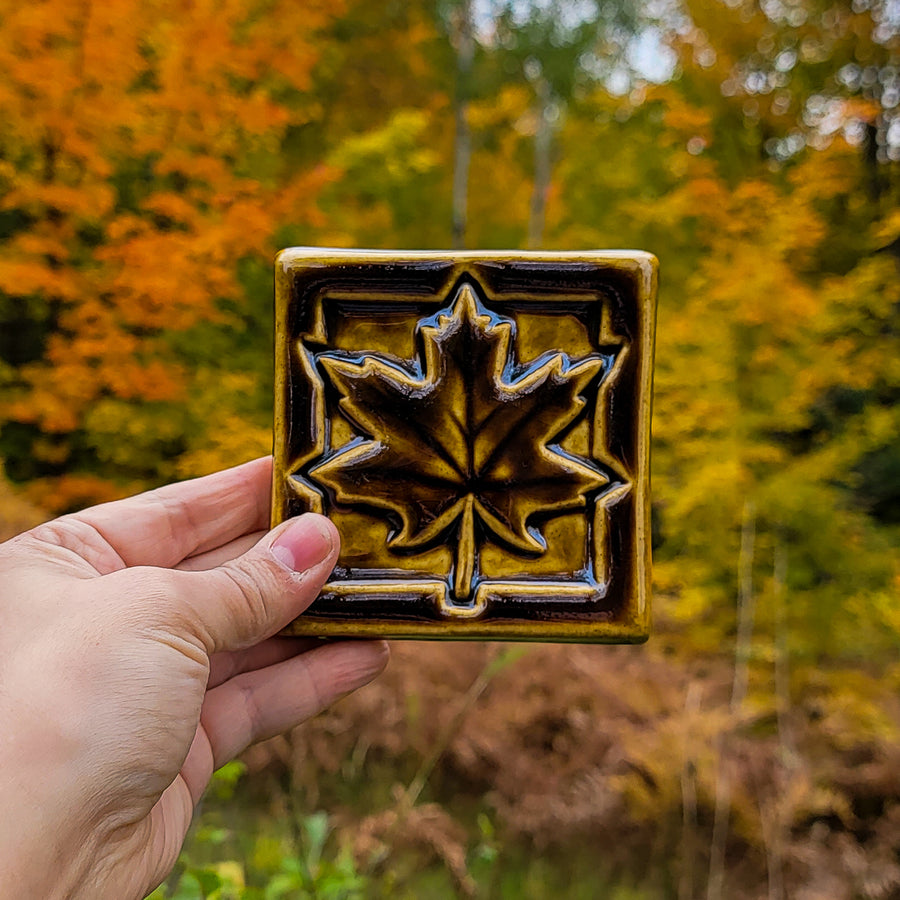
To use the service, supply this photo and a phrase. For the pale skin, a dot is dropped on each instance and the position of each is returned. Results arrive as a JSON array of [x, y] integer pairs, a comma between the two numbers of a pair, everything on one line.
[[139, 653]]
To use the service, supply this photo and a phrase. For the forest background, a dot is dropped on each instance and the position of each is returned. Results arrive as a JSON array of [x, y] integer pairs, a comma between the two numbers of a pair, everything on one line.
[[155, 154]]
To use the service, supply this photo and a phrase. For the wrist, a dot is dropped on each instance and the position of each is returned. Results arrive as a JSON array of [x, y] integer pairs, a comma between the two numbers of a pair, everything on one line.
[[46, 839], [63, 863], [52, 867]]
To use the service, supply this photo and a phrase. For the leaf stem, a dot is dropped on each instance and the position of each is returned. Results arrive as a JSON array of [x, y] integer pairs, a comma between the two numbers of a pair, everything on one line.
[[465, 552]]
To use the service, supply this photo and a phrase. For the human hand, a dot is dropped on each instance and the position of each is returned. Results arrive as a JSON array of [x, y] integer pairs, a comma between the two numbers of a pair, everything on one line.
[[136, 657]]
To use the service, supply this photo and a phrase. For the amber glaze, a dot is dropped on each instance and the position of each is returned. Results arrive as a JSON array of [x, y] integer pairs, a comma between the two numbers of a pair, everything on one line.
[[477, 426]]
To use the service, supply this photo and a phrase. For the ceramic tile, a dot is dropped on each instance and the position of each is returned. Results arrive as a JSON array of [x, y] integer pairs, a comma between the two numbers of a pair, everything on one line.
[[477, 426]]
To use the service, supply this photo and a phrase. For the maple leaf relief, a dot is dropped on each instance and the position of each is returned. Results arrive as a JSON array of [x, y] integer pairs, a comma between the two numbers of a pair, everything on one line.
[[461, 437]]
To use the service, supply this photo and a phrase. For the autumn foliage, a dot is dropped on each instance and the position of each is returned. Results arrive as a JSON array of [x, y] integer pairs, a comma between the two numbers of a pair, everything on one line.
[[153, 158]]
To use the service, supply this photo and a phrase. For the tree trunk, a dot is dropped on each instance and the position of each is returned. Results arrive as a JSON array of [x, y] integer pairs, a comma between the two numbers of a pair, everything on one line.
[[746, 617], [543, 140], [462, 149]]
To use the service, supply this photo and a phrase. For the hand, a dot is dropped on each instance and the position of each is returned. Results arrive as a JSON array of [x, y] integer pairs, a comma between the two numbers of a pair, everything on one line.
[[136, 657]]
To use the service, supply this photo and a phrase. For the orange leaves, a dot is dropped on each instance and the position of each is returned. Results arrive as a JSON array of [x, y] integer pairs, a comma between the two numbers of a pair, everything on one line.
[[291, 204], [151, 382], [174, 208], [35, 277], [204, 169], [42, 246], [685, 119], [72, 492], [140, 165], [40, 198], [130, 128], [157, 282], [16, 513], [861, 108]]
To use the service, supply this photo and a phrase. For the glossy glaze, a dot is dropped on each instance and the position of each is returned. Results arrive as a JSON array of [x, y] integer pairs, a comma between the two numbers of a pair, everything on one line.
[[477, 426]]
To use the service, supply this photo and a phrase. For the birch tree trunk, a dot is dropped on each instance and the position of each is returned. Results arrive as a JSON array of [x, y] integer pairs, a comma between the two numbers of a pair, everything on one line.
[[462, 150], [746, 619], [543, 142]]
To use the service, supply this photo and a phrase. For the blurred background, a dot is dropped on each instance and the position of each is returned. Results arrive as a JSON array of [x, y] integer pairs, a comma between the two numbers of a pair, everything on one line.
[[155, 154]]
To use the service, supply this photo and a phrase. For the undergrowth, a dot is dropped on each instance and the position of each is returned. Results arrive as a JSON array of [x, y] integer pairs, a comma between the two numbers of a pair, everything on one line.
[[467, 771]]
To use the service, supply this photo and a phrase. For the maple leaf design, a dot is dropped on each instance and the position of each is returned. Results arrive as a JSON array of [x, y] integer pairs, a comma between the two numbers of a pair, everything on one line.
[[461, 435]]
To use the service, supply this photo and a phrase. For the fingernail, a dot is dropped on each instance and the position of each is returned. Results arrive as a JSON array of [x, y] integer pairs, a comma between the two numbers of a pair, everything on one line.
[[304, 543]]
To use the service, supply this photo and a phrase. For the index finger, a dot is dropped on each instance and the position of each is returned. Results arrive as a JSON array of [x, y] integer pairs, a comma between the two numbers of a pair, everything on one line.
[[165, 526]]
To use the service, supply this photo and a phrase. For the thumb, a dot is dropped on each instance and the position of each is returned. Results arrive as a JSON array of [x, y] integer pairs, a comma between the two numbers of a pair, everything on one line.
[[248, 599]]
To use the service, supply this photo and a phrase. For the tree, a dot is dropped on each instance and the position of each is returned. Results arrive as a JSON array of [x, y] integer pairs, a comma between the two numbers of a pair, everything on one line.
[[556, 48], [140, 164]]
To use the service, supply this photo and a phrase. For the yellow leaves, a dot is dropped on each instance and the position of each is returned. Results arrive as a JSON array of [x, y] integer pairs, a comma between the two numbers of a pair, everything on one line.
[[883, 607], [778, 224], [751, 273], [232, 440], [752, 346], [384, 173], [230, 435], [856, 328], [826, 173], [53, 411], [122, 433], [889, 229], [856, 710], [759, 292], [397, 150], [504, 109], [704, 199]]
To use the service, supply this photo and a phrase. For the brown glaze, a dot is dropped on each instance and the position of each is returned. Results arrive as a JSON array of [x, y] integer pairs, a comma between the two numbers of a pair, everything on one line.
[[477, 427]]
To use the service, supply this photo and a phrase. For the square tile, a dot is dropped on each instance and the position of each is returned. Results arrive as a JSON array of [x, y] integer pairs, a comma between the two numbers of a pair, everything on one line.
[[477, 427]]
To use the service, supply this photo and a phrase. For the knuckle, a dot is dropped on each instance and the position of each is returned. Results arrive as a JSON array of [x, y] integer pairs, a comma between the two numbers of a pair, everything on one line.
[[70, 534], [176, 521], [313, 685], [66, 533], [250, 595], [251, 716], [143, 592]]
